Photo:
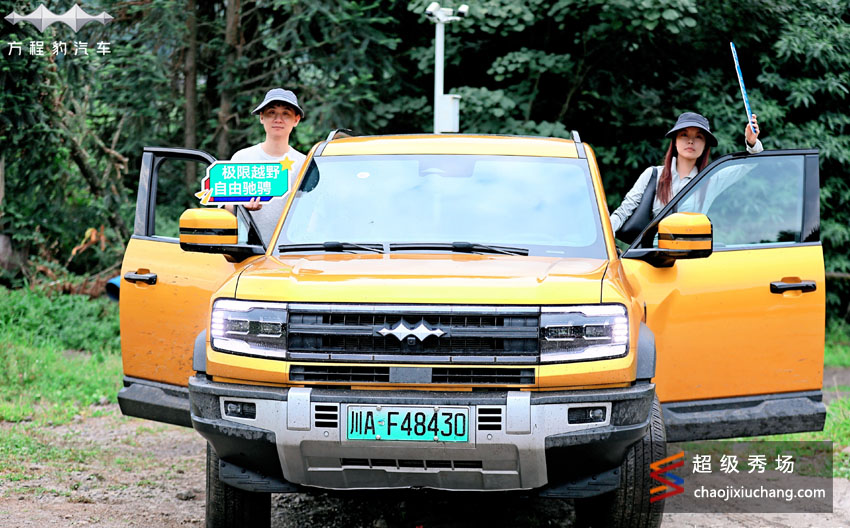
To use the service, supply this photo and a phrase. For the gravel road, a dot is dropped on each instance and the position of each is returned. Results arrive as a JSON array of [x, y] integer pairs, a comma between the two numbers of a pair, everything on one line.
[[129, 472]]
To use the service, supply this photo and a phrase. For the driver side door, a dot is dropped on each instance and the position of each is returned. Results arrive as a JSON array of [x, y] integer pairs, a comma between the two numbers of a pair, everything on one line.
[[165, 291]]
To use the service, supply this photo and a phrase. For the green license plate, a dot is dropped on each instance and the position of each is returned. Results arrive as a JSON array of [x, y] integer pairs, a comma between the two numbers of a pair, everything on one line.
[[422, 424]]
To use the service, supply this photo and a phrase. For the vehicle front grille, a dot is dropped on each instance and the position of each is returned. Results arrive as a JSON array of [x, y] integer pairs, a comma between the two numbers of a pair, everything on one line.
[[476, 376], [356, 374], [322, 373], [414, 333]]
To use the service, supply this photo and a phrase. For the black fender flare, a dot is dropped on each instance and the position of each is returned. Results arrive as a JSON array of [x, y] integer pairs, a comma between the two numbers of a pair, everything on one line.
[[645, 353], [199, 355]]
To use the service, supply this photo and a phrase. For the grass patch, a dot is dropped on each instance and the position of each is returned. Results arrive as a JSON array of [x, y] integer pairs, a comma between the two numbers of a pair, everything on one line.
[[22, 444], [837, 350], [129, 463], [69, 322], [836, 429], [40, 491], [48, 386], [60, 355]]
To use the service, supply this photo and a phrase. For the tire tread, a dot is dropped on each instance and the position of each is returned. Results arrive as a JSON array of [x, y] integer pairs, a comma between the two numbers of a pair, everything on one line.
[[629, 506], [227, 506]]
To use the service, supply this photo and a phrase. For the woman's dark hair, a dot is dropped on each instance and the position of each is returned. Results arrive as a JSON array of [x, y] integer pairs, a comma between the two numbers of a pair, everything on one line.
[[664, 193]]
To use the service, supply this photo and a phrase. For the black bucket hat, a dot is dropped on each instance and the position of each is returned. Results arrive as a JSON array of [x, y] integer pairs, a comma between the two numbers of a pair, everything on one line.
[[692, 119]]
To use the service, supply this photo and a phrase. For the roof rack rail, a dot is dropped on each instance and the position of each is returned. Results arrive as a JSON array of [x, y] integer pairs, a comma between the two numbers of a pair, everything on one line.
[[579, 145], [339, 133]]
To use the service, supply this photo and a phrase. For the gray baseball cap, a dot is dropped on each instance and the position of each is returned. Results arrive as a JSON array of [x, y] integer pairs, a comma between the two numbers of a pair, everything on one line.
[[279, 94], [692, 119]]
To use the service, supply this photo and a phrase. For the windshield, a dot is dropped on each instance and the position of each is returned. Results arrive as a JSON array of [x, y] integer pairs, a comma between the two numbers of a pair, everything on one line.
[[545, 205]]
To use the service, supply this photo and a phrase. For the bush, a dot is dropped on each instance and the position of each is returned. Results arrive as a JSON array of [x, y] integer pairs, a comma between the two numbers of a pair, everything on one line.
[[67, 322]]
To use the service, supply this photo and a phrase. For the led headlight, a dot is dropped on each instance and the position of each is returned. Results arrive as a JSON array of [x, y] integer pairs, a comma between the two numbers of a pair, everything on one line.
[[249, 328], [576, 333]]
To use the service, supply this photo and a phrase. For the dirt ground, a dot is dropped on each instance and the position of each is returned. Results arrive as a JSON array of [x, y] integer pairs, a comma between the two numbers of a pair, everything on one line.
[[133, 472], [834, 380]]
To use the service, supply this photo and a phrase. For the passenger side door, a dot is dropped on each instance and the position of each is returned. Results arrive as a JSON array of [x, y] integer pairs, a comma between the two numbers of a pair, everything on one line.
[[745, 325]]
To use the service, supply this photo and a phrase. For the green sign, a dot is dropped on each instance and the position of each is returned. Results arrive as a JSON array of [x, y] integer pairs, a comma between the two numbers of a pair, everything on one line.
[[233, 182]]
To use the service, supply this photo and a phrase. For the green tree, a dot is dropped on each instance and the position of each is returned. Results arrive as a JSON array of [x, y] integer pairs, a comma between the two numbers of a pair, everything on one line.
[[618, 71]]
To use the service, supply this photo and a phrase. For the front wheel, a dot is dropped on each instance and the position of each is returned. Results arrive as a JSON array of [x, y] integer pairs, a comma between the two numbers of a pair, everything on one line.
[[228, 506], [629, 506]]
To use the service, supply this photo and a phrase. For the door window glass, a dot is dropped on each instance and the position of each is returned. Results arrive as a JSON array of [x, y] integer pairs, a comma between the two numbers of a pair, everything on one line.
[[751, 201], [177, 182]]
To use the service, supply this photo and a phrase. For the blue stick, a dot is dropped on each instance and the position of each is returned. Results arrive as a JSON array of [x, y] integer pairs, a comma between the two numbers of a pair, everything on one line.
[[743, 89]]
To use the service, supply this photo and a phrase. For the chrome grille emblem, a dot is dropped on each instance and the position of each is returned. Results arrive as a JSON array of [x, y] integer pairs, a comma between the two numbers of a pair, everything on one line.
[[402, 331]]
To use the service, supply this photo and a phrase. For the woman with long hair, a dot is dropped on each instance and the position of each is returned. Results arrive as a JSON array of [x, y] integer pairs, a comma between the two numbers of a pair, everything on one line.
[[687, 155]]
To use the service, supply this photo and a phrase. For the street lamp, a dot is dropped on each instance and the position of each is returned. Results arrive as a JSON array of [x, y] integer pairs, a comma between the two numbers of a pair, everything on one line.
[[446, 106]]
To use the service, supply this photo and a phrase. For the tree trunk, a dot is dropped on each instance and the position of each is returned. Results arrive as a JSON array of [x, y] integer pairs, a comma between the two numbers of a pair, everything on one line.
[[225, 108], [190, 88], [2, 181]]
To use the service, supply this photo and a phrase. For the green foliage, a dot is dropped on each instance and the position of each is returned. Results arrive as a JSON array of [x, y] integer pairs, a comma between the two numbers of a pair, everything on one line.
[[60, 355], [46, 103], [45, 383], [618, 71], [837, 351], [63, 322]]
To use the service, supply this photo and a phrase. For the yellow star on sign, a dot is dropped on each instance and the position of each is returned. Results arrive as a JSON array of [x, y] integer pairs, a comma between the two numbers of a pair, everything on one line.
[[286, 164]]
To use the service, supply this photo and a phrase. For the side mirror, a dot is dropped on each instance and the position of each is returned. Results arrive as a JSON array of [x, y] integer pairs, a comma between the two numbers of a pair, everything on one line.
[[214, 231], [680, 236], [686, 235]]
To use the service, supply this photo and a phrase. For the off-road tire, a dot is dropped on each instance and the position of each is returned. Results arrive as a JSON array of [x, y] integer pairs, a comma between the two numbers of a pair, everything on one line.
[[232, 507], [629, 506]]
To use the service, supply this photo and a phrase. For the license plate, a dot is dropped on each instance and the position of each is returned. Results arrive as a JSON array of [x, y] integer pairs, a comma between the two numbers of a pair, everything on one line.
[[422, 424]]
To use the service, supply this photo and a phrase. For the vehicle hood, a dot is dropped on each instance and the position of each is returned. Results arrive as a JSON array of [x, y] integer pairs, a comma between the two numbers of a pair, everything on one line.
[[439, 279]]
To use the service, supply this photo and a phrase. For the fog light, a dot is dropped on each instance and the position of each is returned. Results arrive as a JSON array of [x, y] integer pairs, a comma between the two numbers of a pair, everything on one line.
[[240, 409], [583, 415]]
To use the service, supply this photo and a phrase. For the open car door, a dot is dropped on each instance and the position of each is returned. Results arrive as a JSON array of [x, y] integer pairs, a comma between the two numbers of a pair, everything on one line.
[[165, 291], [740, 334]]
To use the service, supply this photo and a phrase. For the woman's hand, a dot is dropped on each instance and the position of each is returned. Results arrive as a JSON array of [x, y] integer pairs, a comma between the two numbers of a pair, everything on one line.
[[749, 134]]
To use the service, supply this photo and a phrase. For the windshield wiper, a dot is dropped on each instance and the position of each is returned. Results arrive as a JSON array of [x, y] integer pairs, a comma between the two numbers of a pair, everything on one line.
[[461, 247], [331, 246]]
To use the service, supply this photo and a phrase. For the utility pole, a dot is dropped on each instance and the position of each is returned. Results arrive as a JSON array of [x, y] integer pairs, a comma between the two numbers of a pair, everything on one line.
[[446, 106]]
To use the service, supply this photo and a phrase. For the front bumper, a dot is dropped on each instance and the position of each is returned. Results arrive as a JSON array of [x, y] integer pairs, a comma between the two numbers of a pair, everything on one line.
[[533, 446]]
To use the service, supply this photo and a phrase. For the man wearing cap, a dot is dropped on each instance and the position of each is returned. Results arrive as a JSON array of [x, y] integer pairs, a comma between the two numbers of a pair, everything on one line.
[[688, 153], [279, 114]]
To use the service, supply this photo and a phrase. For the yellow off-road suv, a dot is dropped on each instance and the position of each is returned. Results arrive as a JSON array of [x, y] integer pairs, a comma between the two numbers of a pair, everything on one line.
[[452, 312]]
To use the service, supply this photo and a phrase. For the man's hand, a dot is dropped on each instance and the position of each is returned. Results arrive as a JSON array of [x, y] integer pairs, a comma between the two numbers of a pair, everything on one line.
[[748, 132], [254, 204]]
